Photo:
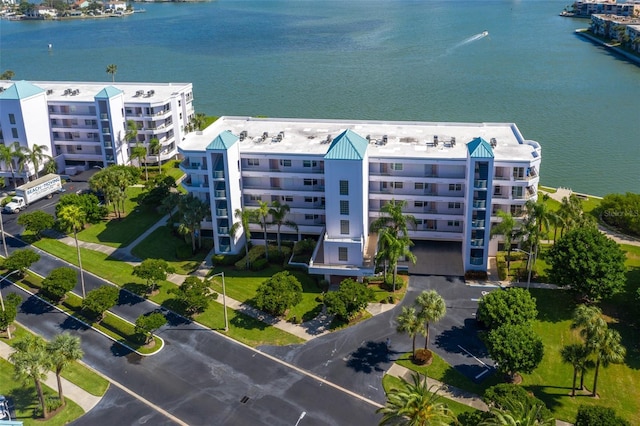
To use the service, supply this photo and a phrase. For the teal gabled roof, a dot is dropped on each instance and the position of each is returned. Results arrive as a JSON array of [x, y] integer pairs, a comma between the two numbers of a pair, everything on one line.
[[108, 92], [479, 148], [348, 145], [223, 141], [21, 90]]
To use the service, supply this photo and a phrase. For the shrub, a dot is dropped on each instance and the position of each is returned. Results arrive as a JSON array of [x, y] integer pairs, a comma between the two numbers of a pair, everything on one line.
[[183, 252], [500, 396], [348, 300], [226, 259], [304, 246], [475, 275], [59, 282], [510, 306], [259, 264], [598, 416], [279, 293], [51, 401], [422, 356]]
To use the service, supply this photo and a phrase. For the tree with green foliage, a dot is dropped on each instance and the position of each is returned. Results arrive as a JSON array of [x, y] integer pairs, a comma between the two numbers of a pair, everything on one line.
[[432, 309], [192, 212], [152, 271], [577, 355], [622, 211], [169, 203], [609, 350], [36, 222], [350, 298], [89, 203], [244, 216], [393, 217], [7, 155], [157, 190], [36, 156], [392, 248], [9, 313], [100, 300], [139, 153], [20, 260], [507, 227], [409, 322], [112, 69], [7, 75], [31, 361], [262, 214], [515, 348], [59, 282], [63, 351], [72, 218], [415, 404], [154, 149], [147, 324], [113, 182], [588, 263], [194, 295], [279, 213], [522, 413], [512, 305], [277, 294], [502, 395], [596, 415], [570, 215]]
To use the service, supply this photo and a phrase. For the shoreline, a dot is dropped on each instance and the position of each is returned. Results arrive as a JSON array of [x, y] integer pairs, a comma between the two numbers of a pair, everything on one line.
[[584, 32]]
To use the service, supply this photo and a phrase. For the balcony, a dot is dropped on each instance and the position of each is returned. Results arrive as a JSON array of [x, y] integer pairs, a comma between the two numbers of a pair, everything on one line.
[[476, 260], [188, 182], [218, 174], [477, 242], [480, 183], [477, 223], [223, 230], [221, 212], [220, 193], [480, 204]]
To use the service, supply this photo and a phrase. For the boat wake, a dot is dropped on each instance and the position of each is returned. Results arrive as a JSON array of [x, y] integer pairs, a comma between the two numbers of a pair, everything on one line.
[[470, 40]]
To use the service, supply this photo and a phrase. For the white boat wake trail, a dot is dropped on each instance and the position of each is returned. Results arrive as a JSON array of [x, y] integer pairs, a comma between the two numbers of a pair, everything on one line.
[[469, 40]]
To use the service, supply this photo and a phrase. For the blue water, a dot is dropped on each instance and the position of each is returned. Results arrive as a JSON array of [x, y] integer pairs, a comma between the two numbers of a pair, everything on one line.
[[371, 59]]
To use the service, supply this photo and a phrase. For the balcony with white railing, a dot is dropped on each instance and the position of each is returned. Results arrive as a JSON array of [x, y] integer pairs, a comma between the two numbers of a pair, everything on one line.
[[221, 212], [477, 242], [218, 174], [476, 260], [220, 193], [223, 230], [478, 223], [480, 204], [480, 183]]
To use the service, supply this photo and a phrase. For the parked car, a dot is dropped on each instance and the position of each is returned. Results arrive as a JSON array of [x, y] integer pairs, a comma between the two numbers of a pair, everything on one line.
[[4, 408]]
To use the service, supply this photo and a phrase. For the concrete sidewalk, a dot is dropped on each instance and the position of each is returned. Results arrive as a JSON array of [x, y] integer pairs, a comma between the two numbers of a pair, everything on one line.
[[78, 395]]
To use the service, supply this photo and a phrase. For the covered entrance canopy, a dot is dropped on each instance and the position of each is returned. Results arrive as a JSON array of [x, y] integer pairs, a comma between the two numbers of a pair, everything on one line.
[[437, 258]]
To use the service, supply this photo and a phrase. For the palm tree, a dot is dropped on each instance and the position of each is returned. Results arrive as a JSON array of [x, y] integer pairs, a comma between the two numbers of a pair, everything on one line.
[[432, 309], [192, 211], [72, 217], [139, 153], [536, 224], [112, 69], [244, 217], [31, 361], [278, 213], [392, 249], [608, 351], [410, 323], [154, 149], [578, 356], [6, 156], [36, 156], [169, 203], [519, 413], [132, 132], [415, 404], [64, 349], [506, 228], [569, 213], [262, 213], [591, 324], [394, 218]]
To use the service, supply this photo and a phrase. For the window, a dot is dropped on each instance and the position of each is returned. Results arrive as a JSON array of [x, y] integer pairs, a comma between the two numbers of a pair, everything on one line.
[[309, 163], [253, 162], [78, 147], [344, 207], [308, 199], [255, 197], [516, 192], [52, 108], [455, 187], [344, 187], [310, 182], [344, 227], [418, 185], [285, 163], [311, 216], [14, 132], [453, 205], [396, 166], [453, 223], [343, 254], [419, 204], [396, 185], [288, 198], [12, 118]]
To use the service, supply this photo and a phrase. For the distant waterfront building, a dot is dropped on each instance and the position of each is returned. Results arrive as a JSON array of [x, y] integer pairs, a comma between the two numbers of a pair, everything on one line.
[[83, 124], [610, 26], [336, 175], [634, 37], [606, 7]]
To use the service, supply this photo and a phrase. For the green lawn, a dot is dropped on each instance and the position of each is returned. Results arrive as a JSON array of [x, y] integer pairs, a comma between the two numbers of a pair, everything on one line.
[[120, 233], [390, 382], [25, 399], [162, 244], [172, 168]]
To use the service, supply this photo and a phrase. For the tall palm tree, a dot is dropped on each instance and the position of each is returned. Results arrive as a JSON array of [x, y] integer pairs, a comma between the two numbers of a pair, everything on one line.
[[154, 149], [432, 309], [31, 361], [64, 349], [410, 323], [578, 356], [36, 156], [6, 156], [608, 351], [538, 218], [139, 153], [591, 324], [415, 404], [73, 217], [506, 227], [393, 249], [519, 413], [169, 203], [244, 216], [394, 218], [112, 69], [279, 213], [131, 132], [262, 213], [192, 212], [569, 213]]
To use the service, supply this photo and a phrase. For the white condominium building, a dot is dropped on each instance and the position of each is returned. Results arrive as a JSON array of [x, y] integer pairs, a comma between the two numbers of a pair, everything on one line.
[[335, 175], [83, 124]]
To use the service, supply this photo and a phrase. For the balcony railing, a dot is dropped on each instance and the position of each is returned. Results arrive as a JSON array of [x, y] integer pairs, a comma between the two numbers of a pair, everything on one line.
[[223, 230], [477, 242], [480, 204], [480, 183], [220, 193], [221, 212], [477, 223], [476, 261], [218, 174]]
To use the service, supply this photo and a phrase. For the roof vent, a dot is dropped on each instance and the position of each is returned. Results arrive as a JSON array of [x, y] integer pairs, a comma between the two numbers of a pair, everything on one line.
[[493, 142], [139, 92], [435, 140], [243, 135], [49, 92]]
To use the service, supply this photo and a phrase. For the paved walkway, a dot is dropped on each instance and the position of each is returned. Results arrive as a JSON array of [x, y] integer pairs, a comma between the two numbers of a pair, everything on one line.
[[78, 395]]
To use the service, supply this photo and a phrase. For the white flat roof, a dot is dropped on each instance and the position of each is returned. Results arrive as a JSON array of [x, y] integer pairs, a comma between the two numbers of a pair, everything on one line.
[[404, 139], [87, 90]]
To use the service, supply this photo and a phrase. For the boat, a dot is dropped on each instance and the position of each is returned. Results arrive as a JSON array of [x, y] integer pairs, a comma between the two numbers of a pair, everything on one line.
[[139, 10], [485, 33]]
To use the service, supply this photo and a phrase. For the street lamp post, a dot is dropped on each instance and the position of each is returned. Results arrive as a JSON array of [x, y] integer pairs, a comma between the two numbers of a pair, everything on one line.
[[4, 241], [2, 300], [529, 267], [304, 413], [224, 300]]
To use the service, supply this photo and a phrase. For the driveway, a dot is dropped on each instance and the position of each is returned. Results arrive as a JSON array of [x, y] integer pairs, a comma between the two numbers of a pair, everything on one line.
[[437, 258]]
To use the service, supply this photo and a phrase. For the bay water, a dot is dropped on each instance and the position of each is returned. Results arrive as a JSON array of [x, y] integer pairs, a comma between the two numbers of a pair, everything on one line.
[[423, 60]]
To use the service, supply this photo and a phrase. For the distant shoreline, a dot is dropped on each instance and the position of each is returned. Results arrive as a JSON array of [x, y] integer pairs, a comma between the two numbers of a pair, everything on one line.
[[584, 32]]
